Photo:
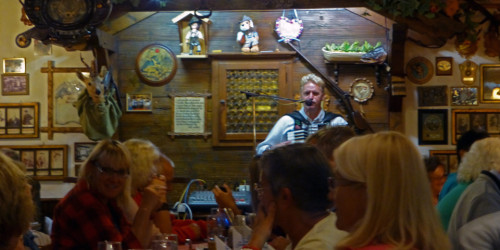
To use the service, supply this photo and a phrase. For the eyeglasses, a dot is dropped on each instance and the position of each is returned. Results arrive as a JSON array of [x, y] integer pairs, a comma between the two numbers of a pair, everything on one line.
[[122, 173], [259, 189]]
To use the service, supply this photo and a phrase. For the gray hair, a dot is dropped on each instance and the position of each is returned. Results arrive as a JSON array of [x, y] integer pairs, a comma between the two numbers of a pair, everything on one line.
[[483, 155], [314, 79]]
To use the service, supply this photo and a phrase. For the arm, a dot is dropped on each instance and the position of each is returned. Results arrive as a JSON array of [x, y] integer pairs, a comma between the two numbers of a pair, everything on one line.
[[225, 199], [276, 135]]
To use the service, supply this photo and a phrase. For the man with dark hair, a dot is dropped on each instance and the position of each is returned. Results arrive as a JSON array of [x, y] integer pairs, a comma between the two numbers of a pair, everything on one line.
[[328, 139], [294, 186], [463, 146]]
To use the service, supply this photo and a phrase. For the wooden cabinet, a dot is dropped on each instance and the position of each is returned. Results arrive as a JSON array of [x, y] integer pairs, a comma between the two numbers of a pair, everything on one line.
[[234, 76]]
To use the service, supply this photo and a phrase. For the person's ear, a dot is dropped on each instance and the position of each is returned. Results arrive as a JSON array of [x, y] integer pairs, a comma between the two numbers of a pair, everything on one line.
[[285, 197]]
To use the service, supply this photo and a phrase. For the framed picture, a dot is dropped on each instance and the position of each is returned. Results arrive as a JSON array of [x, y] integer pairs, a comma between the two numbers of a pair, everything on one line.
[[419, 70], [140, 102], [432, 126], [432, 96], [15, 84], [14, 65], [19, 120], [478, 119], [490, 83], [83, 150], [463, 96], [189, 114], [448, 158], [44, 162], [444, 66], [156, 65]]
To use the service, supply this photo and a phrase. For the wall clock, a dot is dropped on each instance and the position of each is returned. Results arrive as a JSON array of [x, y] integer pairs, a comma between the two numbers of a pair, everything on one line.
[[156, 65], [419, 70]]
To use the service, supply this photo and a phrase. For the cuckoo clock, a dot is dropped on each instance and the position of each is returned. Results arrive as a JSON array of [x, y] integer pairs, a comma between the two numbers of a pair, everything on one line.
[[193, 34]]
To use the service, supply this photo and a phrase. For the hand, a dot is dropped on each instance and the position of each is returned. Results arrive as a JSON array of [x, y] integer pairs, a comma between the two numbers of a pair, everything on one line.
[[263, 225], [279, 243], [155, 193], [225, 199]]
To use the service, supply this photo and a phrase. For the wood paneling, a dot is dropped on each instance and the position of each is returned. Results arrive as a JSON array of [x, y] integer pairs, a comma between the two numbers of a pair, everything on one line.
[[194, 156]]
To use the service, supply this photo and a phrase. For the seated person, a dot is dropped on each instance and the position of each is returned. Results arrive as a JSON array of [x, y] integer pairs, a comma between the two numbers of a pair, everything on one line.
[[89, 212], [382, 195], [17, 209], [293, 191], [148, 162]]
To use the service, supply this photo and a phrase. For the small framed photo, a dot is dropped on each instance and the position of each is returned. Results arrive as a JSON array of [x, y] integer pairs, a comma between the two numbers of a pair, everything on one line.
[[15, 84], [477, 119], [83, 150], [444, 66], [19, 120], [432, 126], [448, 158], [14, 65], [490, 83], [463, 96], [432, 96], [140, 102]]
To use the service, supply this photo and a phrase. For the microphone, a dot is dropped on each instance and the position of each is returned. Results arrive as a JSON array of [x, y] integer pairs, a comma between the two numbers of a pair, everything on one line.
[[308, 102]]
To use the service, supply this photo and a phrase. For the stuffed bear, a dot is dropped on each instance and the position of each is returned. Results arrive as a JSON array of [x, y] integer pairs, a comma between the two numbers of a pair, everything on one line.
[[247, 36]]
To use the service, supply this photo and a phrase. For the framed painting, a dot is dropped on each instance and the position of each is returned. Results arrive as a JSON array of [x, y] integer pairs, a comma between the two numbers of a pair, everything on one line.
[[463, 96], [14, 65], [419, 70], [44, 162], [19, 120], [477, 119], [156, 65], [15, 84], [140, 102], [432, 96], [490, 83], [432, 126], [448, 158], [83, 150]]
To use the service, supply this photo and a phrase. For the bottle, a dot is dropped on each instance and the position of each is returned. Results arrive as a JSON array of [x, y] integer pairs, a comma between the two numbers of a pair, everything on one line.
[[241, 229]]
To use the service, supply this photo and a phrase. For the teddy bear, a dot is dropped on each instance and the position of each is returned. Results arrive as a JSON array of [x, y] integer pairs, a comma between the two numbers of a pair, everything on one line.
[[247, 36]]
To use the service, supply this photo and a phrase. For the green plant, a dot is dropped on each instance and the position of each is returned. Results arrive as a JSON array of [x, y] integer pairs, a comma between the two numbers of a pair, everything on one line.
[[354, 47], [408, 8]]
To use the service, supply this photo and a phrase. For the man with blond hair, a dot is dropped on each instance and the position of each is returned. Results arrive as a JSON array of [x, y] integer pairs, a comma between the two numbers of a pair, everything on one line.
[[297, 125]]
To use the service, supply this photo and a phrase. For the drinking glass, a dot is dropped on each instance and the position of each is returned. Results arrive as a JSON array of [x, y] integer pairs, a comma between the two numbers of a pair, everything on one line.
[[165, 241], [109, 245]]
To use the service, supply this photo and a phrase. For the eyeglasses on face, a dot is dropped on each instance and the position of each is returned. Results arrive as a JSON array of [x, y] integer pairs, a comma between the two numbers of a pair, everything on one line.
[[123, 173], [259, 189]]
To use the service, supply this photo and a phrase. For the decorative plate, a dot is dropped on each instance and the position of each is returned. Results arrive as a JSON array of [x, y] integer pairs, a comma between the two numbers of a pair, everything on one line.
[[419, 70], [156, 65], [361, 89], [288, 29]]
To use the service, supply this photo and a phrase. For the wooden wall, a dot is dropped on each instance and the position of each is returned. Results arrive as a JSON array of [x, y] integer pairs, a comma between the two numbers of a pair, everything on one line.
[[194, 156]]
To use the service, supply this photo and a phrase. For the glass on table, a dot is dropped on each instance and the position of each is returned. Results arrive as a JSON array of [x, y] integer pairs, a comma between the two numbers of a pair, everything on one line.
[[109, 245], [165, 241]]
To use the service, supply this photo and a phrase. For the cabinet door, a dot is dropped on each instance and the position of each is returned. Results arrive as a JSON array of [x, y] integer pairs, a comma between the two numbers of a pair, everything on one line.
[[234, 83]]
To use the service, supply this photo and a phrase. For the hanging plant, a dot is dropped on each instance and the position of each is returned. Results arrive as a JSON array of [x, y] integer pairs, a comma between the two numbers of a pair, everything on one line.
[[408, 8], [466, 42]]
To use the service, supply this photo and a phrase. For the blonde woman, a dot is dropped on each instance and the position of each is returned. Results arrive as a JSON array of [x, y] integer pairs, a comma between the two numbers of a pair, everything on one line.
[[16, 206], [383, 197]]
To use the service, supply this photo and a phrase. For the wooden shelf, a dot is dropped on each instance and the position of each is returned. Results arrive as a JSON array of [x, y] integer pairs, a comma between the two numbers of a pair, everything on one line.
[[259, 55]]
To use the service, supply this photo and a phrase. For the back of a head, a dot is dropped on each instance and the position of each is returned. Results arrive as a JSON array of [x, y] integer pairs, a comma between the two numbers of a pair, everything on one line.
[[330, 138], [16, 206], [467, 139], [399, 208], [304, 170], [145, 156], [484, 154]]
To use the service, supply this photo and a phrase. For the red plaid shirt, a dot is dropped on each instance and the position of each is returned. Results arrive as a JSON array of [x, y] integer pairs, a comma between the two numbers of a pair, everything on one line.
[[81, 220]]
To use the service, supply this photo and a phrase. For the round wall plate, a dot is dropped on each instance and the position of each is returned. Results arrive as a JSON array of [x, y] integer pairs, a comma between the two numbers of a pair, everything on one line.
[[419, 70], [361, 89], [156, 65]]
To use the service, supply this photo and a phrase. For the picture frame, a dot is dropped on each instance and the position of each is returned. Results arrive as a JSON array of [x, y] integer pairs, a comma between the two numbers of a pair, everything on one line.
[[14, 65], [432, 96], [156, 65], [479, 119], [419, 70], [189, 116], [444, 66], [83, 150], [490, 83], [140, 102], [463, 96], [19, 120], [44, 162], [432, 126], [15, 84], [448, 158]]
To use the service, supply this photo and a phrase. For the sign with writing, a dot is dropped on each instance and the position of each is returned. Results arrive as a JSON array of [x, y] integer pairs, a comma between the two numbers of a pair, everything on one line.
[[189, 115]]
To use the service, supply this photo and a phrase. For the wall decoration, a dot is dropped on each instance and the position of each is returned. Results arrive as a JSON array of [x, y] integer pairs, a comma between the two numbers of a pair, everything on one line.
[[14, 65], [193, 34], [432, 126], [19, 120], [83, 150], [490, 83], [189, 116], [419, 70], [463, 96], [478, 119], [140, 102], [444, 66], [15, 84], [468, 70], [44, 162], [156, 65], [432, 96], [448, 158], [361, 89], [63, 90]]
